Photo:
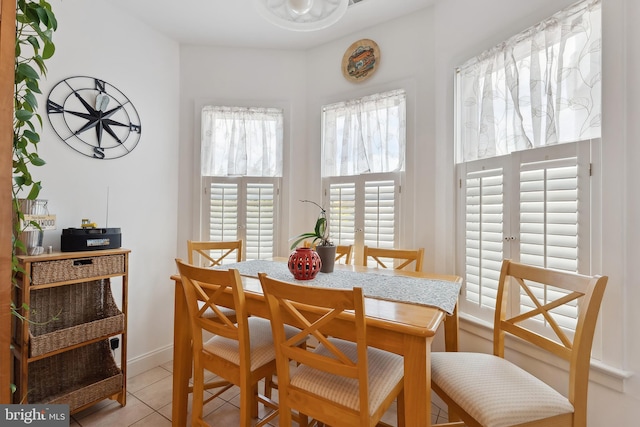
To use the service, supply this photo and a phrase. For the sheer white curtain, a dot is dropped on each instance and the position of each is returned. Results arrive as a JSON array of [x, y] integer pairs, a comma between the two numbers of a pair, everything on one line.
[[540, 87], [365, 135], [241, 141]]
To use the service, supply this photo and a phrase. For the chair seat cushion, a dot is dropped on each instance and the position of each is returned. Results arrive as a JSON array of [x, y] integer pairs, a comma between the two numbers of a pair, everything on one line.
[[262, 348], [494, 391], [386, 370]]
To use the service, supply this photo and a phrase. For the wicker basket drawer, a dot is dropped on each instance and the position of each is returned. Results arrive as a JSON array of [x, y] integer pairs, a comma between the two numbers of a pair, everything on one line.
[[72, 314], [77, 377], [76, 268]]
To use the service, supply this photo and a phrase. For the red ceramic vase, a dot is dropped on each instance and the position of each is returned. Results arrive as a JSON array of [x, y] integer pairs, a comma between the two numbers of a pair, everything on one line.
[[304, 263]]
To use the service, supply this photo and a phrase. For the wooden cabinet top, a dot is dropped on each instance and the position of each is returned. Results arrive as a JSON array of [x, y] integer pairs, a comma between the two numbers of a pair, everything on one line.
[[66, 255]]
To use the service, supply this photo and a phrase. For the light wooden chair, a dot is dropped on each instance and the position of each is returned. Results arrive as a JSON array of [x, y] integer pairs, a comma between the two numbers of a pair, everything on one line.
[[213, 253], [407, 256], [344, 253], [486, 390], [339, 383], [240, 353]]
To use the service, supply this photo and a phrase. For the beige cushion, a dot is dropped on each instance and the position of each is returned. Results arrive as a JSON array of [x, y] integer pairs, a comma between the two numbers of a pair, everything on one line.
[[494, 391], [385, 371], [262, 348]]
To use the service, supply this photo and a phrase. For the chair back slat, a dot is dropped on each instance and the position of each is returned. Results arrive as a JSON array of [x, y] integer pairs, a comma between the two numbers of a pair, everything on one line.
[[404, 257], [344, 253], [204, 290], [211, 253]]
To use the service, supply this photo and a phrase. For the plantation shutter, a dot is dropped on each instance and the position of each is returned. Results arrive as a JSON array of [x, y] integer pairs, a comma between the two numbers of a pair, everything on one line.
[[531, 206], [363, 209], [380, 213], [483, 192], [243, 208], [342, 213], [554, 199], [223, 211], [261, 210]]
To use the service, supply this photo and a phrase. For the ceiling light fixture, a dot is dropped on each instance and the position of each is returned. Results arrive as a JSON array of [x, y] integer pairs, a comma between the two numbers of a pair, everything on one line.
[[302, 15]]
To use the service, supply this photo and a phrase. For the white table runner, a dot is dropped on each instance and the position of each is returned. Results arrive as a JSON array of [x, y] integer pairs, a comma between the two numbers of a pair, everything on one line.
[[422, 291]]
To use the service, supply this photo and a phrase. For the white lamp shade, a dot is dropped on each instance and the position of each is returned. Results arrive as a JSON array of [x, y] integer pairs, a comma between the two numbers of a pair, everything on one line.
[[302, 15], [300, 7]]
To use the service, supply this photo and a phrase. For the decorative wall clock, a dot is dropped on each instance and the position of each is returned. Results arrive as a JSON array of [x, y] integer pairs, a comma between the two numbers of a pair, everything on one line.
[[93, 117], [360, 60]]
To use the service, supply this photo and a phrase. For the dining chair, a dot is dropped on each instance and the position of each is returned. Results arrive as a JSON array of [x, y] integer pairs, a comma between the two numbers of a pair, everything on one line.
[[213, 253], [241, 353], [344, 253], [487, 390], [382, 255], [339, 383], [408, 256]]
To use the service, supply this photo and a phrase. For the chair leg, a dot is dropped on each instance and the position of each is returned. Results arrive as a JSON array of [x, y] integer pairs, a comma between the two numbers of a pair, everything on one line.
[[285, 417], [269, 385], [198, 395], [400, 409], [248, 403]]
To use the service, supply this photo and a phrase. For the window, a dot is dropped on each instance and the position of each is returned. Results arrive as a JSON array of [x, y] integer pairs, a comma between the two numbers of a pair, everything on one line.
[[363, 144], [241, 169], [533, 206], [528, 124]]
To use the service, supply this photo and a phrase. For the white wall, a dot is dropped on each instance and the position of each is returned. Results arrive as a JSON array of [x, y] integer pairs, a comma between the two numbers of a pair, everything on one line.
[[143, 185]]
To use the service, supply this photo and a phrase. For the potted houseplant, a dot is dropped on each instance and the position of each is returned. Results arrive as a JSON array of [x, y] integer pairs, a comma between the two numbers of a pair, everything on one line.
[[319, 240]]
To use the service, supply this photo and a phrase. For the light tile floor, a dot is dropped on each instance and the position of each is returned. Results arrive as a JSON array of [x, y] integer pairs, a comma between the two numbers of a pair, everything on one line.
[[149, 404]]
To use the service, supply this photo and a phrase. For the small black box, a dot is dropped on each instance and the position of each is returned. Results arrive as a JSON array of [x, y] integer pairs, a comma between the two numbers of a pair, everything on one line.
[[89, 239]]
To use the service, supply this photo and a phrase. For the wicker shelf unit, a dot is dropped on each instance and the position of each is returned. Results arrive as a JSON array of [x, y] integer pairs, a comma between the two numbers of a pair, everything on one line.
[[62, 350]]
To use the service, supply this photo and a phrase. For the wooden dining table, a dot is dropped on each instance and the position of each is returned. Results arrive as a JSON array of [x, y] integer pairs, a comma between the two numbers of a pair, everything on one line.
[[403, 328]]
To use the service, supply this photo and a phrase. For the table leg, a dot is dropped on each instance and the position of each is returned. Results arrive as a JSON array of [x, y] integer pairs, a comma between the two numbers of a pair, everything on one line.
[[417, 381], [181, 359]]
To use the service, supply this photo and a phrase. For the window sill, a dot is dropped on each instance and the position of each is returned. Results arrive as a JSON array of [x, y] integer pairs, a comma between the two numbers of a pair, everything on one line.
[[601, 373]]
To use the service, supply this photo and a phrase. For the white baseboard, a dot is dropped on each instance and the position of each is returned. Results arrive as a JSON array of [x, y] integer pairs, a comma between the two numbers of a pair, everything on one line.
[[144, 362]]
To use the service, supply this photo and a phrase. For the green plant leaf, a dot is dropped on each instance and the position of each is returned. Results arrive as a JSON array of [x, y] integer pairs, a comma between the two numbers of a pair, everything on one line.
[[42, 15], [31, 99], [28, 71], [35, 190], [51, 18], [33, 41], [36, 160], [48, 51], [33, 86], [32, 136], [24, 115]]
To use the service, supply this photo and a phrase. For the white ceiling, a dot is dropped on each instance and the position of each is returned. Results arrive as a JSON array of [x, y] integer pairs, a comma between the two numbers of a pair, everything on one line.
[[237, 23]]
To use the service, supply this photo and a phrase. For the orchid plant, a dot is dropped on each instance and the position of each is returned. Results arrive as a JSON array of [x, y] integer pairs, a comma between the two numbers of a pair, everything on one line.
[[320, 232]]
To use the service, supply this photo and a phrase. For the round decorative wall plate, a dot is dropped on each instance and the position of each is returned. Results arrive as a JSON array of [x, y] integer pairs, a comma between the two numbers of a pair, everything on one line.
[[360, 60], [93, 117]]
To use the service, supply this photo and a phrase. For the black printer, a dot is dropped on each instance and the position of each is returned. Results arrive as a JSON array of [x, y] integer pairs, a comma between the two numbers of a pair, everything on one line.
[[89, 239]]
